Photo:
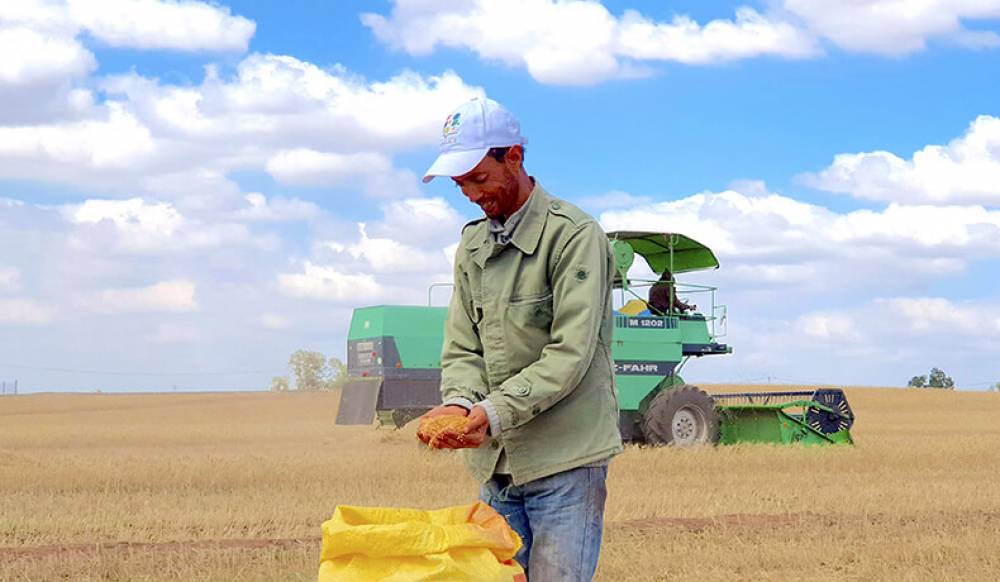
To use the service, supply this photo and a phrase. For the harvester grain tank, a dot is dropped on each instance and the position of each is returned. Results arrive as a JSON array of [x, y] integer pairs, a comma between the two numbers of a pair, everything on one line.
[[393, 357]]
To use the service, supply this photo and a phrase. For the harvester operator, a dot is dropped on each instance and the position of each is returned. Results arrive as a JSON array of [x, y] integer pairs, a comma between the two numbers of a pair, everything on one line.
[[527, 348], [663, 299]]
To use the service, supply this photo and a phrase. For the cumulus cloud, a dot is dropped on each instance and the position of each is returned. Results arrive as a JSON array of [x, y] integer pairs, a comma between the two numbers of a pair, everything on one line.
[[925, 314], [277, 209], [305, 124], [185, 25], [383, 254], [896, 27], [967, 170], [423, 222], [45, 65], [327, 283], [373, 171], [578, 42], [31, 56], [165, 296], [769, 239], [140, 226], [118, 140]]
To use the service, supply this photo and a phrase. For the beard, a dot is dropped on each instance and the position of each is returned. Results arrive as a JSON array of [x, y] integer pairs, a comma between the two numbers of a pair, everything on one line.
[[501, 204]]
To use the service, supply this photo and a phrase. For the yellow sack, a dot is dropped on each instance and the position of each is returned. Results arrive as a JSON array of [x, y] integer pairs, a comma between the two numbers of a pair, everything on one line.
[[455, 544]]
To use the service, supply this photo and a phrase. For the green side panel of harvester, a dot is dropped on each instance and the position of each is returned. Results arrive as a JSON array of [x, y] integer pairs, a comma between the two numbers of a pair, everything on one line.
[[693, 331], [417, 331], [771, 423], [643, 356]]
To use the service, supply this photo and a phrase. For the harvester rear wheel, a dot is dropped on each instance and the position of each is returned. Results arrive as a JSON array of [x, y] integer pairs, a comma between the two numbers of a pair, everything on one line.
[[684, 416]]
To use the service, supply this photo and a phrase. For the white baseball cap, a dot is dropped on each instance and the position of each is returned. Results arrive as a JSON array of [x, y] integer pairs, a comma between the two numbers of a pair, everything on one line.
[[468, 133]]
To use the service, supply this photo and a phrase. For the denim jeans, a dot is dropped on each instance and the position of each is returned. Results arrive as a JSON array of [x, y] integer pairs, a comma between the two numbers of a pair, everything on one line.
[[560, 519]]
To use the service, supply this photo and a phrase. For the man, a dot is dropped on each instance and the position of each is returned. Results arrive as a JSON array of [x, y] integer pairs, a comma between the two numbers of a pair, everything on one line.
[[663, 299], [527, 348]]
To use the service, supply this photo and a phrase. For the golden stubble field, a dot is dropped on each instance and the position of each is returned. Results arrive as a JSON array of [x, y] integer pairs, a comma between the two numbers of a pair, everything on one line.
[[180, 476]]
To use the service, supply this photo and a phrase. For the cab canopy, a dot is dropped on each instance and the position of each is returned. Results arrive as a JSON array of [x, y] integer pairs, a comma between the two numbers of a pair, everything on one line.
[[662, 251]]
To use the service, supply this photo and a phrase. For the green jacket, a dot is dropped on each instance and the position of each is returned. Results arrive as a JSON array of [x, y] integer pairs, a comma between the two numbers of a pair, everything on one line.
[[529, 329]]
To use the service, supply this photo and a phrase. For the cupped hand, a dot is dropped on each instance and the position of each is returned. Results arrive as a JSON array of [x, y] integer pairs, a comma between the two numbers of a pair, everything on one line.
[[443, 410]]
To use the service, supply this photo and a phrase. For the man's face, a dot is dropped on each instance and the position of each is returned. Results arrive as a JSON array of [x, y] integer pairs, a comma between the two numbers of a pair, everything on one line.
[[491, 185]]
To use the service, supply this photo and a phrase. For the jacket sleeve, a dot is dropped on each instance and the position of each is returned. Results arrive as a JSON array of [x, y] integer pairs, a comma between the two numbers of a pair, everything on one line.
[[580, 283], [463, 369]]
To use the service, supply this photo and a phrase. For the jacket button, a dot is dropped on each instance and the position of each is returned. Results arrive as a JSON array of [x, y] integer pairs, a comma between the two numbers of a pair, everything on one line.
[[522, 390], [494, 445], [556, 205]]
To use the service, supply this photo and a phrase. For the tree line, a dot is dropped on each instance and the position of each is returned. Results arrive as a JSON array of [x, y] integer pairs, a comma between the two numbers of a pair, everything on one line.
[[938, 379], [311, 371]]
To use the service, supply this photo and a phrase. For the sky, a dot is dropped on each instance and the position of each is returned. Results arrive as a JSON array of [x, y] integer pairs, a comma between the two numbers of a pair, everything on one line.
[[190, 191]]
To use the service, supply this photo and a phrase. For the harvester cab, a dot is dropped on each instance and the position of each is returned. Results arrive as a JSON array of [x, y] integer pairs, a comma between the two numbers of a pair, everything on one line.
[[393, 359]]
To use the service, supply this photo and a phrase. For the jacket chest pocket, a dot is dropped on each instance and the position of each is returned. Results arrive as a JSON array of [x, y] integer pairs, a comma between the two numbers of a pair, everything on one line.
[[531, 312]]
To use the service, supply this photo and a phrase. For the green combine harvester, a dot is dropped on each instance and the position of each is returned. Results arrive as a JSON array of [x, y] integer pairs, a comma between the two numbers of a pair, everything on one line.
[[394, 359]]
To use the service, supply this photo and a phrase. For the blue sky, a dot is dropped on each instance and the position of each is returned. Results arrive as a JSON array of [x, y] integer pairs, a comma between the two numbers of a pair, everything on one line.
[[184, 209]]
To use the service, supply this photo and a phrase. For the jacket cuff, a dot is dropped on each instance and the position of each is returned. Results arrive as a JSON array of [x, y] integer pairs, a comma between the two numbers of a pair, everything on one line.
[[459, 401], [492, 416]]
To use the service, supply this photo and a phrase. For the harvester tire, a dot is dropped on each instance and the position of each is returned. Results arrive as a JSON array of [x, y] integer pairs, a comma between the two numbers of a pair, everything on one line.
[[684, 416]]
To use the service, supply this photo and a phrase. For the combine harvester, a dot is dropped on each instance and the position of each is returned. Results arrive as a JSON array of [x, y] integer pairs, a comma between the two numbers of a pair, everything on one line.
[[394, 359]]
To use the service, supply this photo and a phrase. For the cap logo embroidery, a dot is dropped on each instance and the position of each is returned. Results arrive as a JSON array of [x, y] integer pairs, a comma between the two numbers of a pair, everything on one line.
[[451, 124]]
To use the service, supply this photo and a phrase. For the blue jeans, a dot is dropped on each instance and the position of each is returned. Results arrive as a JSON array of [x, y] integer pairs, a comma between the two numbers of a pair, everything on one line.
[[560, 519]]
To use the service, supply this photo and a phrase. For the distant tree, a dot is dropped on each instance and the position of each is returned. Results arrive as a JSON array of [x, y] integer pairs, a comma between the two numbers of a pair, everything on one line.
[[995, 387], [279, 384], [310, 370], [936, 379], [338, 374]]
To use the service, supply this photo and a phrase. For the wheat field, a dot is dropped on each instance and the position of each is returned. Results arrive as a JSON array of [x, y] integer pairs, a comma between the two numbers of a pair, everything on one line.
[[235, 487]]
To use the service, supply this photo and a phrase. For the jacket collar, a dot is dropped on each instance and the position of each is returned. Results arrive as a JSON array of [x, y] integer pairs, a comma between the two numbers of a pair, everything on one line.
[[526, 235]]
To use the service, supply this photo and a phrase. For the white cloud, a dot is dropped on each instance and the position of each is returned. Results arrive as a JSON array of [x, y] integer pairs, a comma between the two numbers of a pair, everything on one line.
[[579, 42], [967, 170], [750, 34], [184, 25], [10, 279], [305, 123], [118, 141], [277, 209], [165, 296], [45, 63], [25, 312], [424, 222], [938, 314], [387, 255], [140, 226], [896, 27], [769, 239], [305, 167], [327, 283], [31, 56]]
